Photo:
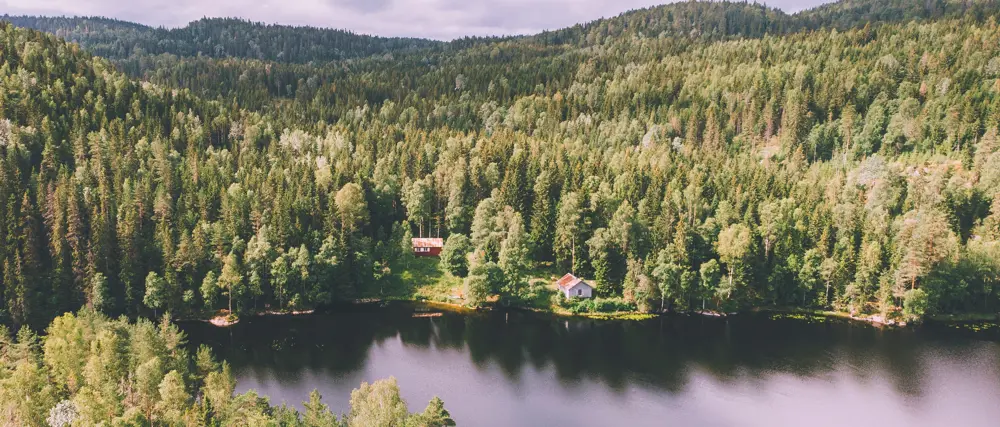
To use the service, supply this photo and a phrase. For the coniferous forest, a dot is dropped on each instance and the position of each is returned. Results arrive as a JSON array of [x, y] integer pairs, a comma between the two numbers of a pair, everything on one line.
[[693, 156]]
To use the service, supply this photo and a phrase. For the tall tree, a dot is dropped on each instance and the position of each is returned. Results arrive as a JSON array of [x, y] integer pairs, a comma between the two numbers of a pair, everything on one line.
[[352, 207], [455, 255], [734, 247], [231, 278], [568, 230], [418, 204]]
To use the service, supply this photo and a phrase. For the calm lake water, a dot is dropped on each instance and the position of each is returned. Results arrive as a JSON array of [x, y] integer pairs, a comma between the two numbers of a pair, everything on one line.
[[526, 369]]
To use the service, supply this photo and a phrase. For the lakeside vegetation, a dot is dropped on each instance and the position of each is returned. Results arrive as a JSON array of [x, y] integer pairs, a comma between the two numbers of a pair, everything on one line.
[[89, 370], [700, 156]]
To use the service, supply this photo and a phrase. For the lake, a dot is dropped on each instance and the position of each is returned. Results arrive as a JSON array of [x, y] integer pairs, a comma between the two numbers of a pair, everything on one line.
[[528, 369]]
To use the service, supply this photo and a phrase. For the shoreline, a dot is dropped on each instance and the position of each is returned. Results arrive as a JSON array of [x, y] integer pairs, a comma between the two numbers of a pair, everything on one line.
[[873, 320], [224, 319]]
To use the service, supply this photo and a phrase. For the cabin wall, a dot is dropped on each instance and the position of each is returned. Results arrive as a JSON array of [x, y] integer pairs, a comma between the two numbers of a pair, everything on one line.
[[579, 291], [427, 251]]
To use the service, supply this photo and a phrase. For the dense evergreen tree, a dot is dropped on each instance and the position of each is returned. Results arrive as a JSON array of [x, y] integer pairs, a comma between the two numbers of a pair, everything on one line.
[[690, 155], [90, 370]]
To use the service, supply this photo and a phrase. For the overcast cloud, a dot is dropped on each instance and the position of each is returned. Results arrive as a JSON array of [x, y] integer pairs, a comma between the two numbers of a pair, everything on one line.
[[437, 19]]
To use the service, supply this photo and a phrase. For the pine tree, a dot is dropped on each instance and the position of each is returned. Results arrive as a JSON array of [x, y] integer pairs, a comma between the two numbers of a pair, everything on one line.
[[231, 279], [317, 413], [543, 217], [568, 231], [29, 268], [406, 244], [457, 211]]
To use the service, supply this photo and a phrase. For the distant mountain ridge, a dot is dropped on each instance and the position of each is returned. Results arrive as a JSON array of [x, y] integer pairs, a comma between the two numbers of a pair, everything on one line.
[[233, 37], [219, 38], [726, 19]]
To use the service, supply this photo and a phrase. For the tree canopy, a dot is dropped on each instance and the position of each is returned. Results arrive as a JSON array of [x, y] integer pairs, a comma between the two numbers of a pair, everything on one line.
[[703, 153]]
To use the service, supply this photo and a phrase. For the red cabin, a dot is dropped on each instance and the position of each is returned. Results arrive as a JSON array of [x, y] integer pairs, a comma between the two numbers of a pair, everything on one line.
[[427, 246]]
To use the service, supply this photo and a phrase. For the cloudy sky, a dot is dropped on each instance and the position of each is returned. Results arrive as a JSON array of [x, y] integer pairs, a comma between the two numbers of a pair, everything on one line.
[[438, 19]]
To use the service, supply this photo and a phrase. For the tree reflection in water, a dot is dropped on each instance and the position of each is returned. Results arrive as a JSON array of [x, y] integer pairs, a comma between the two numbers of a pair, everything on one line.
[[660, 354]]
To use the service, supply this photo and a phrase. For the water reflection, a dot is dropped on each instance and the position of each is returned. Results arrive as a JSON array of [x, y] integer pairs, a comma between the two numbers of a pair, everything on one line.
[[672, 360]]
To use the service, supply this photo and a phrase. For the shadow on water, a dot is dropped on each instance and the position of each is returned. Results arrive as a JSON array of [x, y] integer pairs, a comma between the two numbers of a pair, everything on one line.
[[659, 353]]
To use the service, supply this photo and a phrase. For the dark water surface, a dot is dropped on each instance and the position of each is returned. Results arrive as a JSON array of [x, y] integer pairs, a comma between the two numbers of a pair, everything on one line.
[[524, 369]]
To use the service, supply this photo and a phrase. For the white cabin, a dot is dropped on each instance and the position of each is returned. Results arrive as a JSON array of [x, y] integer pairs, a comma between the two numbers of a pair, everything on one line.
[[574, 287]]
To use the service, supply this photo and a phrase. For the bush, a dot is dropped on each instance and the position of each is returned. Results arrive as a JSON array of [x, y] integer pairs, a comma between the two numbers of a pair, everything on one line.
[[536, 295], [454, 256], [597, 305], [484, 280], [610, 305], [915, 303]]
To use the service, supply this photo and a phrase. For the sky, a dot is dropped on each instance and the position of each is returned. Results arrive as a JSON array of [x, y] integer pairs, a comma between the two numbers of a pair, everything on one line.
[[435, 19]]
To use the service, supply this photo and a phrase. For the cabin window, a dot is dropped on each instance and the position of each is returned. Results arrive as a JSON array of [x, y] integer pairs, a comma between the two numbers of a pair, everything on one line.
[[579, 292]]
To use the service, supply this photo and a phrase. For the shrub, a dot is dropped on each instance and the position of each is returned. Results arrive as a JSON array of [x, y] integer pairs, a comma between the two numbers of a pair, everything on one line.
[[915, 303], [454, 256]]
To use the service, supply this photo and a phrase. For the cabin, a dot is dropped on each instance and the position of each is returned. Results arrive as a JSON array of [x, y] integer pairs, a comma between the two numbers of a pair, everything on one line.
[[427, 246], [574, 287]]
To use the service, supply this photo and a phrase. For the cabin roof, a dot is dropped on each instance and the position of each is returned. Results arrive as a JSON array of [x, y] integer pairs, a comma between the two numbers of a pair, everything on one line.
[[427, 242], [569, 281]]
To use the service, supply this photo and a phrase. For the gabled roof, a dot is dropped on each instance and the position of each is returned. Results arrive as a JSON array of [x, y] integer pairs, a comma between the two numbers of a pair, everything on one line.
[[427, 242], [569, 281]]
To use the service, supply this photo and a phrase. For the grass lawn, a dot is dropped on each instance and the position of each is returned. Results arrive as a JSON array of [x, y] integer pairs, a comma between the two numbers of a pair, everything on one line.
[[545, 271], [424, 279]]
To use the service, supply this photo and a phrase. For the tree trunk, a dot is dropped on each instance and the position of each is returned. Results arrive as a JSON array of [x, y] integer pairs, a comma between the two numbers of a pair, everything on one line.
[[729, 292], [572, 267], [827, 302]]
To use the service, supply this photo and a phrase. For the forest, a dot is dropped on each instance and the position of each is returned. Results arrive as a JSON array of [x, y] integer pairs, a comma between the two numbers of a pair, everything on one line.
[[696, 155], [90, 370]]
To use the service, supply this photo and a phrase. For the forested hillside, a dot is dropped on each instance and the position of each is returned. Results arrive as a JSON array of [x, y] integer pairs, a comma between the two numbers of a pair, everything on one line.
[[217, 38], [815, 160]]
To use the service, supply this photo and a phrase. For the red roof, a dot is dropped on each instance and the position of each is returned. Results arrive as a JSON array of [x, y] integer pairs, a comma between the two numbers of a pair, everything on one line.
[[427, 242], [569, 281]]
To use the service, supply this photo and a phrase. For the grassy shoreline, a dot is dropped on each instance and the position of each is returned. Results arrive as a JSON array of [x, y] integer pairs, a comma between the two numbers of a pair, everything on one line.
[[423, 282], [223, 320], [964, 317]]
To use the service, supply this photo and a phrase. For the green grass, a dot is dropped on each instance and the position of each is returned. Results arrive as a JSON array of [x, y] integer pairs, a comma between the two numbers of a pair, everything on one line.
[[423, 278], [624, 315], [545, 271]]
